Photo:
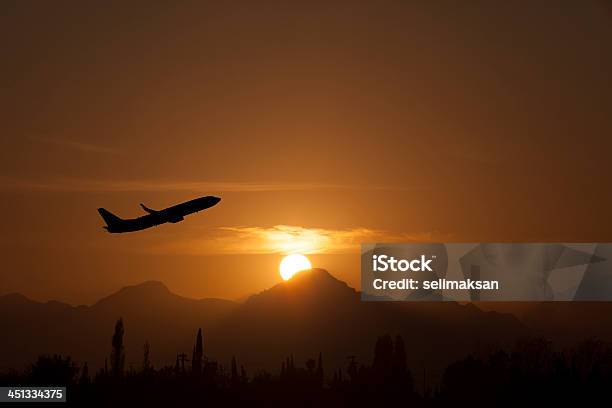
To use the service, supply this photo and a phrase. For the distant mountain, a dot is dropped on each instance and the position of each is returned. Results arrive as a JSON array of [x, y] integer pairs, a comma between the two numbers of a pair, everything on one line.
[[570, 322], [311, 313], [567, 323], [150, 311], [315, 312]]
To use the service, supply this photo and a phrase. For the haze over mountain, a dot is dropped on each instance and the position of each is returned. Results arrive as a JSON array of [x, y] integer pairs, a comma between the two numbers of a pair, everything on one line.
[[150, 311], [315, 312], [311, 313]]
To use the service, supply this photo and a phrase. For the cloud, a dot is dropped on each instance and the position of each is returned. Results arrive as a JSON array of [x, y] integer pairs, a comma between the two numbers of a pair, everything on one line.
[[109, 186], [286, 239], [74, 145]]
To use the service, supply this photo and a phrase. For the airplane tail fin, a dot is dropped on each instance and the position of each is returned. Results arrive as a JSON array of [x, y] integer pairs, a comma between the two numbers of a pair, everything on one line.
[[108, 217]]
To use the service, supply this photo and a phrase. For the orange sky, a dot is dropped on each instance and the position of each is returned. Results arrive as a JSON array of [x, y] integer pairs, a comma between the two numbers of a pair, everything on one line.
[[375, 120]]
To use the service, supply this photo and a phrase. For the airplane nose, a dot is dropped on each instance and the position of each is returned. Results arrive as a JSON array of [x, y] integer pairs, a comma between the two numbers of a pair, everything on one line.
[[216, 199]]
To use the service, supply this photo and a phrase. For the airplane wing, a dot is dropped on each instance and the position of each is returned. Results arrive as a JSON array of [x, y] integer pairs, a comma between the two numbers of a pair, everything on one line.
[[147, 209]]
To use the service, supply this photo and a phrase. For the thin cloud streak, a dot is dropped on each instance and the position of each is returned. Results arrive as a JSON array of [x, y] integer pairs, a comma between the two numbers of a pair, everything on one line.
[[74, 145], [109, 186], [286, 239]]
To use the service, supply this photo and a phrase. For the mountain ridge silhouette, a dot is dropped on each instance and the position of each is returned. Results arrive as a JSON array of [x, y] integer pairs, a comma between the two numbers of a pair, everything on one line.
[[312, 312]]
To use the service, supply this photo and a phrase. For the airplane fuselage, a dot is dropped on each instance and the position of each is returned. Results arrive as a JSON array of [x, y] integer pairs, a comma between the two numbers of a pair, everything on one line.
[[173, 214]]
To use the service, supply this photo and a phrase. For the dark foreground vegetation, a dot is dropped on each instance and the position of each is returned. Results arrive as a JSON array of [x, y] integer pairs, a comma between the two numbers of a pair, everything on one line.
[[533, 373]]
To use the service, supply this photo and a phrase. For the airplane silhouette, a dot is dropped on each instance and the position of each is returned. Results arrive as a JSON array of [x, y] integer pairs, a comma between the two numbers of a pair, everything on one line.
[[173, 214]]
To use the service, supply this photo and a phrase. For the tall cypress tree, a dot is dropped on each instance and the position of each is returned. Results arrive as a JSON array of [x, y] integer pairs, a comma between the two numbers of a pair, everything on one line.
[[84, 375], [399, 359], [146, 358], [244, 378], [198, 353], [118, 353], [234, 378], [320, 369], [401, 374]]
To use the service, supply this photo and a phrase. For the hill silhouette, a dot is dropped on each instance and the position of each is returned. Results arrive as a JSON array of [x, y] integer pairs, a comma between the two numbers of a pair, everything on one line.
[[152, 313], [571, 322], [313, 312]]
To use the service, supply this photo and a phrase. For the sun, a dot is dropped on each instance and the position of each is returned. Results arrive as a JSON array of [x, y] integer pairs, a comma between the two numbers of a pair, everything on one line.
[[292, 264]]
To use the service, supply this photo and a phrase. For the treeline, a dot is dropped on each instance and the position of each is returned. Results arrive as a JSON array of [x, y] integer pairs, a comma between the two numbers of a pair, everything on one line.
[[532, 373]]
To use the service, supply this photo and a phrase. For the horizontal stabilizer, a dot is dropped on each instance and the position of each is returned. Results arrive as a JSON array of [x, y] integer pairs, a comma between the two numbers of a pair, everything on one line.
[[147, 209]]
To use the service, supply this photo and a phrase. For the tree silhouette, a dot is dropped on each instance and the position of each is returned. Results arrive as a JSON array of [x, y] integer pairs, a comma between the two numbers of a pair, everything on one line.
[[401, 374], [234, 372], [382, 366], [352, 369], [53, 370], [319, 374], [196, 359], [182, 357], [146, 358], [84, 375], [118, 353], [311, 365], [244, 378], [534, 371]]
